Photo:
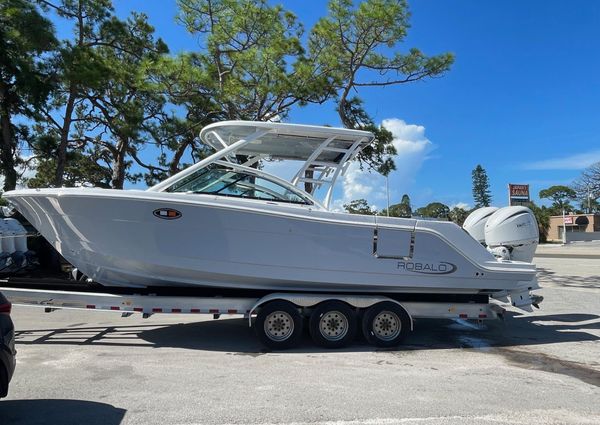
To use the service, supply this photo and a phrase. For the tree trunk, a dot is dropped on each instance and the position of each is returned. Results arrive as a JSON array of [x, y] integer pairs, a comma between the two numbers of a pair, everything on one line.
[[119, 165], [7, 148], [174, 165], [61, 154], [346, 122]]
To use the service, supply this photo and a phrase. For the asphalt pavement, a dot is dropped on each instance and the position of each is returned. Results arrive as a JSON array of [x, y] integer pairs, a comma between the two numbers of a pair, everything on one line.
[[81, 367]]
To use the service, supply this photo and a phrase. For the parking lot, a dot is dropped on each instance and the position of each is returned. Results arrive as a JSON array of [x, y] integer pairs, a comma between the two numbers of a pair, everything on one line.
[[89, 367]]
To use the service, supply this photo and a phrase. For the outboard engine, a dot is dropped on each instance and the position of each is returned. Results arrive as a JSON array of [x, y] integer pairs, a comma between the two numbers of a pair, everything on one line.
[[511, 233], [475, 223], [7, 248], [14, 254]]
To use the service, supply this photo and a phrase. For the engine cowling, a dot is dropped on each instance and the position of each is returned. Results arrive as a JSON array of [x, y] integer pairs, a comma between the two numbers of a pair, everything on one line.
[[516, 230], [475, 223]]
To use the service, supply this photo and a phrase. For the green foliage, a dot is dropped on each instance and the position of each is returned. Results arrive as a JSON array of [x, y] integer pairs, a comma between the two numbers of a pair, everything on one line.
[[105, 102], [378, 155], [81, 167], [481, 187], [25, 37], [590, 205], [254, 63], [542, 216], [127, 100], [403, 209], [76, 68], [359, 206], [434, 210], [89, 104], [458, 215], [350, 47], [560, 196], [186, 87]]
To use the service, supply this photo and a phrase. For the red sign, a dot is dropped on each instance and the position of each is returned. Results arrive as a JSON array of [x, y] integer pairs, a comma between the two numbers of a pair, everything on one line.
[[518, 190], [568, 220]]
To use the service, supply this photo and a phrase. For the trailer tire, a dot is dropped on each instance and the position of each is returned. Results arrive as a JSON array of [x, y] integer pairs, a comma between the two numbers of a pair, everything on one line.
[[333, 324], [386, 324], [279, 325]]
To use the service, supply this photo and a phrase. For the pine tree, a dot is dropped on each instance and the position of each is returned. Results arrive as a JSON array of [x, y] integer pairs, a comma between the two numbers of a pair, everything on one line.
[[481, 187], [25, 37]]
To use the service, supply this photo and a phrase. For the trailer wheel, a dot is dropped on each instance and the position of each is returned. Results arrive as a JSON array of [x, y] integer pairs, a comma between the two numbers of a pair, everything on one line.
[[279, 325], [333, 324], [385, 324]]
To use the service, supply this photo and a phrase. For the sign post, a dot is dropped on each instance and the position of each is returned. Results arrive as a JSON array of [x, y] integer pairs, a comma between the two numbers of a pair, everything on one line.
[[564, 238]]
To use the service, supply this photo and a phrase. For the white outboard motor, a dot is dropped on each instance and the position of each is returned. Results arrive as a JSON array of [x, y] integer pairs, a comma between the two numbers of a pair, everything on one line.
[[475, 223], [7, 247], [511, 233], [14, 254]]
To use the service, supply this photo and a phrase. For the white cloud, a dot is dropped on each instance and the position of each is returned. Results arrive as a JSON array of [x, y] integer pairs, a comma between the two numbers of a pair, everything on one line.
[[337, 205], [571, 162], [462, 205], [412, 150]]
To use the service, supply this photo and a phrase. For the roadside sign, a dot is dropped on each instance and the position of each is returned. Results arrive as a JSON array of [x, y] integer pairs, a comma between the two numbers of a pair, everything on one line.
[[518, 194]]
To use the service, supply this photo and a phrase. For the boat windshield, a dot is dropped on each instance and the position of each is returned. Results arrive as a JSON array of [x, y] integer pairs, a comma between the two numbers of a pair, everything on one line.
[[223, 181]]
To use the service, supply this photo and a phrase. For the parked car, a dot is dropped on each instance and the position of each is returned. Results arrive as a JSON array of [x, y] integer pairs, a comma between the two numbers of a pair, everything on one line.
[[7, 346]]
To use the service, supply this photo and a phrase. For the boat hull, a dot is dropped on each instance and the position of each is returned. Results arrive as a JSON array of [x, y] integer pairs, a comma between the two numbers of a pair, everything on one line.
[[135, 238]]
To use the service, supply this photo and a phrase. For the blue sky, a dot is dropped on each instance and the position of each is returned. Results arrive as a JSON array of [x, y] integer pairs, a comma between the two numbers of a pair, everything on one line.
[[522, 98]]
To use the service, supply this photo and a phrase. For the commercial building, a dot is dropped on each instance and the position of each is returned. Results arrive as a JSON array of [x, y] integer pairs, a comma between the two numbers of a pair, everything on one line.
[[579, 227]]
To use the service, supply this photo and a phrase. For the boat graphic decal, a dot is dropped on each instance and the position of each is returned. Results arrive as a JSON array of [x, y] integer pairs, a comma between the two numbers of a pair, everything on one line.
[[167, 213], [442, 267]]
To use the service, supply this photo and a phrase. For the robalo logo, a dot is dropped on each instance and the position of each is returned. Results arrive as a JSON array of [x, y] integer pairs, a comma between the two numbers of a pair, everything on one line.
[[442, 267]]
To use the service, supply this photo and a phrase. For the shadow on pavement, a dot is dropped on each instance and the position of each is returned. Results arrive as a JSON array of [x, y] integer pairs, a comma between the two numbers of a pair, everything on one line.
[[64, 412], [234, 335], [547, 275], [515, 330]]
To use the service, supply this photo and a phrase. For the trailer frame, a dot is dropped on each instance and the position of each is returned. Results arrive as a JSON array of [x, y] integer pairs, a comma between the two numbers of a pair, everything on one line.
[[249, 307]]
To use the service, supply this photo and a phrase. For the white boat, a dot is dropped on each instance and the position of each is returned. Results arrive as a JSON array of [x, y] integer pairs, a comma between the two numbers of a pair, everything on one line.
[[223, 223]]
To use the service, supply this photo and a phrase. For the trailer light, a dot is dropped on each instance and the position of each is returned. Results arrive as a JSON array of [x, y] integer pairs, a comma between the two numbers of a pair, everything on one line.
[[463, 315], [175, 310], [157, 310], [5, 308], [483, 316], [115, 307], [90, 306]]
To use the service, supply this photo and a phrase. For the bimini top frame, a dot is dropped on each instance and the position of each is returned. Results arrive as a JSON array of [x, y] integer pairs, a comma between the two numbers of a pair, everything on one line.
[[324, 152]]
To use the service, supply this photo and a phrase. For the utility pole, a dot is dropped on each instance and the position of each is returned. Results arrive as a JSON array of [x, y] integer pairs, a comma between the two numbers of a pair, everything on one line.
[[387, 191]]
